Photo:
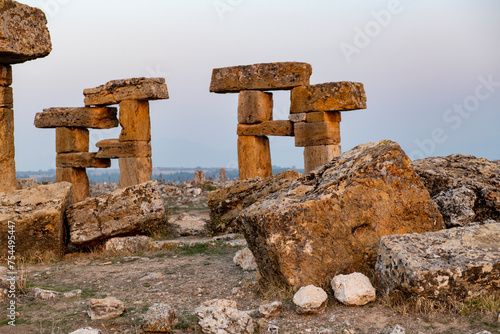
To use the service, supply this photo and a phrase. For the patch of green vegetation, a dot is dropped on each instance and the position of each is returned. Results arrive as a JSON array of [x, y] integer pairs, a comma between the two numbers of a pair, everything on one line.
[[209, 187], [204, 249], [187, 320], [158, 230]]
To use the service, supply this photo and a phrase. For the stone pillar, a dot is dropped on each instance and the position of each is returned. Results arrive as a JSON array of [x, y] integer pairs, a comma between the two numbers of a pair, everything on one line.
[[254, 157], [199, 178], [222, 175], [136, 126], [7, 149]]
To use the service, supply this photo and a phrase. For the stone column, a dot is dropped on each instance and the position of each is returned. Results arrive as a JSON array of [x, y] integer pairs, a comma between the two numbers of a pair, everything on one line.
[[222, 175], [7, 150], [254, 157]]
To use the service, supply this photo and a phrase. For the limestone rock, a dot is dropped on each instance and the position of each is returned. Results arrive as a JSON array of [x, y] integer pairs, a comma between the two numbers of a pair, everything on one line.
[[222, 175], [310, 300], [94, 118], [45, 294], [331, 220], [7, 151], [199, 179], [333, 96], [128, 244], [270, 76], [24, 33], [5, 75], [322, 116], [297, 118], [103, 309], [72, 293], [135, 171], [459, 263], [245, 259], [188, 225], [78, 179], [159, 318], [70, 140], [118, 213], [81, 160], [226, 203], [443, 174], [398, 330], [114, 149], [117, 91], [270, 310], [354, 289], [255, 107], [456, 206], [135, 121], [39, 217], [316, 156], [319, 133], [6, 97], [270, 128], [254, 157], [87, 330], [26, 183], [222, 316]]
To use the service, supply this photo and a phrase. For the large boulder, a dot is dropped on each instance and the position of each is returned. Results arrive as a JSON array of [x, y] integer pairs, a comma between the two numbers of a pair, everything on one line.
[[459, 263], [24, 33], [466, 189], [331, 220], [226, 203], [120, 213], [35, 217]]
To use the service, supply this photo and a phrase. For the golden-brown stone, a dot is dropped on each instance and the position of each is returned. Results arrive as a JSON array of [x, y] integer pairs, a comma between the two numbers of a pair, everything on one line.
[[70, 140], [271, 128], [315, 156], [89, 117], [255, 107], [114, 149], [6, 97], [81, 160], [254, 157], [135, 171], [5, 75], [7, 151], [314, 134], [135, 121], [78, 178], [323, 116]]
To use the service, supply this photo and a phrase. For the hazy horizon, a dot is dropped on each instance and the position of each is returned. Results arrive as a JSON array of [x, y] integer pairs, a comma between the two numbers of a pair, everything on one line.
[[430, 71]]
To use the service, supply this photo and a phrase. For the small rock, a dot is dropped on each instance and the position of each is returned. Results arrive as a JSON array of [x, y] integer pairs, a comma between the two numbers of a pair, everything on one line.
[[273, 329], [398, 330], [353, 289], [108, 308], [160, 318], [197, 192], [128, 244], [86, 330], [45, 294], [152, 276], [270, 310], [221, 316], [310, 300], [73, 293], [483, 332], [326, 331], [235, 243], [245, 259]]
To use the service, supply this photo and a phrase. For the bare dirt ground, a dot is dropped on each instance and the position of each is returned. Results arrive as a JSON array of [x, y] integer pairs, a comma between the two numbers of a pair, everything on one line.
[[188, 276]]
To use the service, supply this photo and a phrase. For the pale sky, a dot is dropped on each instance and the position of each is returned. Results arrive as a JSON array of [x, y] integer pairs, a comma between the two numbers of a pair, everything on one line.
[[431, 71]]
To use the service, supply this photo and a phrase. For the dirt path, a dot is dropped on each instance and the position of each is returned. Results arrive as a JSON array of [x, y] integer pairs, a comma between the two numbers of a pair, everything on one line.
[[188, 277]]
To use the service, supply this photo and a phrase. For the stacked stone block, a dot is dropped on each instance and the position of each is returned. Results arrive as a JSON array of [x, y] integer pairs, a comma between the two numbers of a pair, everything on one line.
[[314, 113], [72, 142], [133, 147], [18, 43]]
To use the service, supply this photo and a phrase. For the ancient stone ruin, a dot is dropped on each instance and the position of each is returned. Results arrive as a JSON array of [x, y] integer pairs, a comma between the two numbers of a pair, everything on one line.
[[24, 36], [133, 148], [314, 113]]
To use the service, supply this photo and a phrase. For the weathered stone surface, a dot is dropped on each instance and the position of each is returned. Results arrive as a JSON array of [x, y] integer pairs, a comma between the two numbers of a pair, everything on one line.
[[315, 156], [221, 316], [114, 149], [118, 213], [271, 128], [6, 97], [443, 174], [226, 203], [398, 330], [133, 244], [315, 134], [245, 259], [458, 263], [69, 140], [78, 179], [254, 157], [7, 151], [81, 160], [160, 318], [26, 183], [45, 294], [5, 75], [270, 310], [297, 118], [270, 76], [24, 33], [87, 330], [104, 309], [38, 214], [135, 171], [456, 206], [322, 116], [333, 96], [310, 300], [199, 179], [90, 117], [330, 221], [117, 91], [353, 289], [255, 107], [72, 293], [222, 175], [135, 121]]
